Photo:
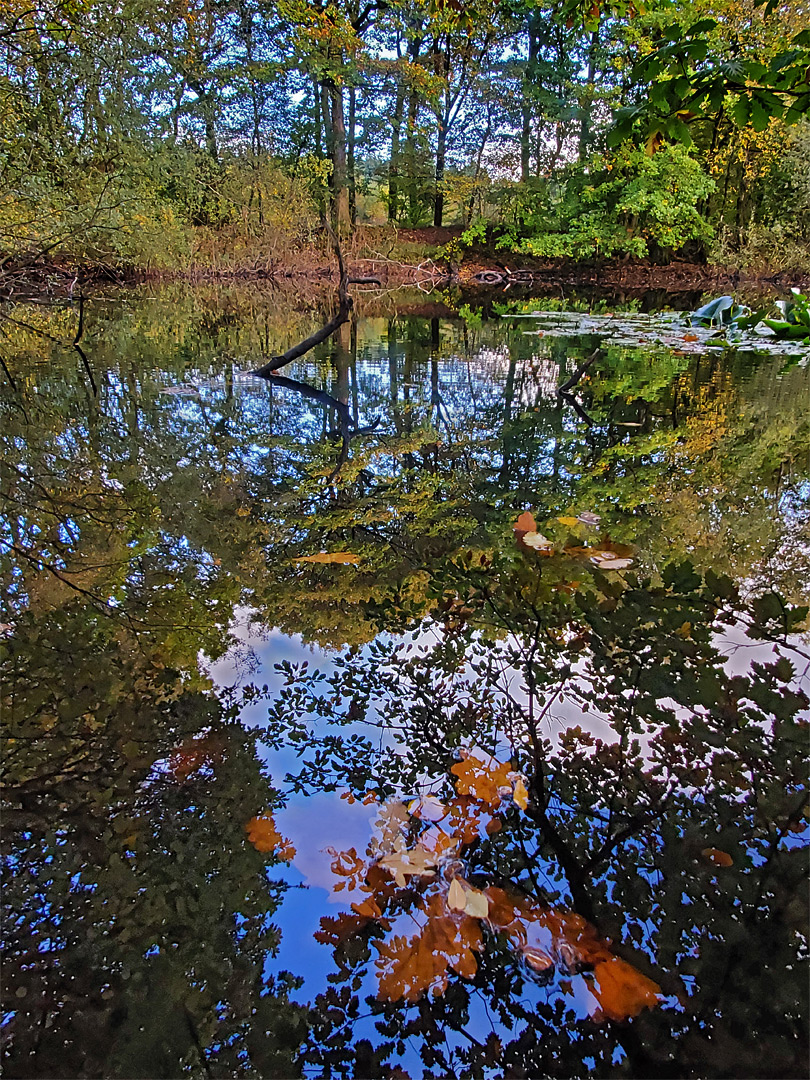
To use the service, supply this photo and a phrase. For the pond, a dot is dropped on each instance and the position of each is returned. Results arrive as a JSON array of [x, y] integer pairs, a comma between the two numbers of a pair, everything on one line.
[[436, 708]]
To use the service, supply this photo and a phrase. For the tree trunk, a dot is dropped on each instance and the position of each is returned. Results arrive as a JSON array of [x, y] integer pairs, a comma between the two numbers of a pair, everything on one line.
[[340, 188], [352, 180], [526, 106], [410, 143], [585, 121], [393, 165], [441, 152]]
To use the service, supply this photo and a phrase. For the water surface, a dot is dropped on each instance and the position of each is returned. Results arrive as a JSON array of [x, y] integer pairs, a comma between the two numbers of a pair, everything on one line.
[[400, 715]]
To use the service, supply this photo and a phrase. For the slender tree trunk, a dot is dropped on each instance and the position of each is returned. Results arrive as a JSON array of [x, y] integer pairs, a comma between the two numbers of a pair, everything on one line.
[[410, 143], [340, 188], [442, 64], [478, 163], [585, 120], [352, 179], [526, 105], [441, 152], [393, 165]]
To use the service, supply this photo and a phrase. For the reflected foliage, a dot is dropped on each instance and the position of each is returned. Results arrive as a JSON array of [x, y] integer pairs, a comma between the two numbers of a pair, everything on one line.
[[572, 678]]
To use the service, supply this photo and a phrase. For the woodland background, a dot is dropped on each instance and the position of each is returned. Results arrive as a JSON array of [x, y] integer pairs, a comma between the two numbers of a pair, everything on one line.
[[218, 134]]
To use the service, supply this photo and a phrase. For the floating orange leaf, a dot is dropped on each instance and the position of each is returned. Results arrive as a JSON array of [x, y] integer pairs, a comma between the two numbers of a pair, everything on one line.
[[525, 523], [716, 857], [621, 990], [484, 782], [264, 836], [464, 820], [369, 908], [335, 929], [410, 967], [195, 754]]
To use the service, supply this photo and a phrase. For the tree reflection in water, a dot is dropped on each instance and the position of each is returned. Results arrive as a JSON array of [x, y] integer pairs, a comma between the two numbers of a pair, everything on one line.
[[591, 836]]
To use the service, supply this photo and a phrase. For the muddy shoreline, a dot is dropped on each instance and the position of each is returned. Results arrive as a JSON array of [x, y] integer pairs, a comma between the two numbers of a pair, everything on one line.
[[485, 277]]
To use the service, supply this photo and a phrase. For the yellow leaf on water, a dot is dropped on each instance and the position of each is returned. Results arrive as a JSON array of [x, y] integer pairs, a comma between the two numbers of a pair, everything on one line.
[[263, 834], [456, 897], [520, 794], [476, 904], [570, 521], [330, 557], [480, 780]]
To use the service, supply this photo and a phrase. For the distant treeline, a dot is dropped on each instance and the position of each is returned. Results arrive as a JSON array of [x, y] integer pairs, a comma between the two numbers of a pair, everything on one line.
[[165, 135]]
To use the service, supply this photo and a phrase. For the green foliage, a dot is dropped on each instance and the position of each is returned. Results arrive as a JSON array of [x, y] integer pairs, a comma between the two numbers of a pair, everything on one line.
[[626, 203]]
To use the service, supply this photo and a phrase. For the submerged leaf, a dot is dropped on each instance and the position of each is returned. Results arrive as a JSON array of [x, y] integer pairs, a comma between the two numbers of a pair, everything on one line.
[[716, 857]]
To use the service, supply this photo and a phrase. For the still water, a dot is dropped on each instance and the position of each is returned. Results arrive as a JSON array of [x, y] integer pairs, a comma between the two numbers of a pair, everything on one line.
[[401, 716]]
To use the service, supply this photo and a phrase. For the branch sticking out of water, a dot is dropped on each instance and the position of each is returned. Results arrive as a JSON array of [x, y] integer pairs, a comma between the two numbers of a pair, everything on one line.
[[345, 304]]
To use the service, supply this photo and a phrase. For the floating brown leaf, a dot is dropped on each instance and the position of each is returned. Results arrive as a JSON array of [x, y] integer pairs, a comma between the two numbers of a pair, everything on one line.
[[410, 967], [621, 990], [525, 523]]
